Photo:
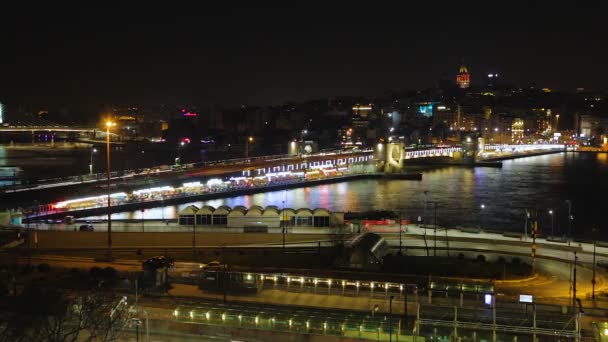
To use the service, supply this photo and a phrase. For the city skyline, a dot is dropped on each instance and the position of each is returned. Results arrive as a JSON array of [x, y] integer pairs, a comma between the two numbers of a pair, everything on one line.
[[259, 56]]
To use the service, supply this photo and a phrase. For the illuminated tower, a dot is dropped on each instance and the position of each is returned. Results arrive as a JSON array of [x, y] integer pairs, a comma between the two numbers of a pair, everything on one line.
[[463, 79], [1, 113]]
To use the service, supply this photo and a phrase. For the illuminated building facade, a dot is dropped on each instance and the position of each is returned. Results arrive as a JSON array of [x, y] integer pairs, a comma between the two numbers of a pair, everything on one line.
[[517, 130], [1, 113], [463, 79], [362, 111]]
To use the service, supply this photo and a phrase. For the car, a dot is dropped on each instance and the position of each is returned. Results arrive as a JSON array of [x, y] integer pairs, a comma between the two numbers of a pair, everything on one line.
[[87, 228], [158, 262], [213, 263]]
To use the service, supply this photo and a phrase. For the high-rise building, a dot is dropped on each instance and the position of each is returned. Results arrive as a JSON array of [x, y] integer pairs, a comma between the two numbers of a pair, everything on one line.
[[1, 113], [463, 79]]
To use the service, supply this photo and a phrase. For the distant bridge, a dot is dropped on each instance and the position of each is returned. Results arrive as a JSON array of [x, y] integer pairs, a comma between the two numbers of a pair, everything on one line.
[[43, 125], [49, 129]]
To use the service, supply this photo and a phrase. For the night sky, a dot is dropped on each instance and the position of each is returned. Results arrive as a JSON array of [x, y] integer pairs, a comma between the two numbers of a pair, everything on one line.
[[270, 54]]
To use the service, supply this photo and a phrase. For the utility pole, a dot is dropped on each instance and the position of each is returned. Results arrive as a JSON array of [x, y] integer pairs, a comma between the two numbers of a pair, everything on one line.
[[400, 243], [390, 318], [593, 281], [574, 283], [533, 246], [283, 224], [435, 232], [526, 225], [569, 217]]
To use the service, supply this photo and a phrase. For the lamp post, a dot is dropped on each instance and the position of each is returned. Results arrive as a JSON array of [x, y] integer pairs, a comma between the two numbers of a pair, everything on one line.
[[94, 150], [435, 229], [526, 225], [483, 206], [178, 161], [390, 318], [400, 228], [593, 231], [283, 224], [426, 192], [552, 222], [195, 210], [249, 140], [570, 217], [109, 124]]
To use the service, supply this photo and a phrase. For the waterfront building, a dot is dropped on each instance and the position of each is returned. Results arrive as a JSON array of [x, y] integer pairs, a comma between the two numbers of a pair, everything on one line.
[[258, 217]]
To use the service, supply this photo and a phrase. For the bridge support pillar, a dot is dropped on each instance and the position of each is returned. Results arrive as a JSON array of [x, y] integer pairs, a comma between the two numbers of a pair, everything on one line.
[[472, 147], [394, 157]]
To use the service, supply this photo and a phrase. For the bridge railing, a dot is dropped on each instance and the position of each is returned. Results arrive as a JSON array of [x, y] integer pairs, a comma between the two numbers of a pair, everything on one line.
[[163, 169], [523, 147], [168, 194], [437, 152]]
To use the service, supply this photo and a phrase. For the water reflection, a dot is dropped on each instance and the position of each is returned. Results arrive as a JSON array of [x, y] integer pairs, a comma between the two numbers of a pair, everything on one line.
[[539, 183]]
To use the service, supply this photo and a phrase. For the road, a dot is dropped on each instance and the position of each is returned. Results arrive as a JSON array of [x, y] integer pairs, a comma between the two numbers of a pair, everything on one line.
[[134, 240]]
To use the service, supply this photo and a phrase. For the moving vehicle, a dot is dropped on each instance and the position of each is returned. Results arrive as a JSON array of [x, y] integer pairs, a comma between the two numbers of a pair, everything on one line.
[[87, 228], [213, 263], [158, 262]]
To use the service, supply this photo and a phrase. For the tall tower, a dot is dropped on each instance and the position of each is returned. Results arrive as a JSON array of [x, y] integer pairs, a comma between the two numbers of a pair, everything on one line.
[[463, 79], [1, 113]]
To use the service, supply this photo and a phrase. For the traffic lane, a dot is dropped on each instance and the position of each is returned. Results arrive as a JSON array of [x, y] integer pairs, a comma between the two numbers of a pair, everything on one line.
[[68, 239]]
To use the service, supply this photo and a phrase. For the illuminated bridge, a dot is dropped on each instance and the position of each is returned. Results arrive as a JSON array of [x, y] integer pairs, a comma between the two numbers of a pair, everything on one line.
[[432, 152], [177, 181], [48, 129], [42, 125]]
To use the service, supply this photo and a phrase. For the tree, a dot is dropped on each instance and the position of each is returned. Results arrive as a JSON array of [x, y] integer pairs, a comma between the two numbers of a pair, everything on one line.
[[48, 314]]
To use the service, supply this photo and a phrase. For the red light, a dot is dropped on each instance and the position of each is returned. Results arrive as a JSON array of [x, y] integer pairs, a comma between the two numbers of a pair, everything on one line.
[[183, 110]]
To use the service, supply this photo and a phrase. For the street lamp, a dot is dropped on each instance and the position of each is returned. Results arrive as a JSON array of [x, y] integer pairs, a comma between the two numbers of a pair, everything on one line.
[[483, 206], [570, 217], [109, 124], [526, 224], [400, 228], [195, 210], [178, 161], [435, 229], [283, 224], [375, 309], [552, 222], [249, 140], [593, 281], [390, 318], [94, 150]]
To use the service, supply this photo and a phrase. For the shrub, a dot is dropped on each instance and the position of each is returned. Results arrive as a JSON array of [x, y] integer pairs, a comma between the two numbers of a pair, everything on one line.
[[95, 272], [27, 269], [481, 258], [44, 268], [109, 273]]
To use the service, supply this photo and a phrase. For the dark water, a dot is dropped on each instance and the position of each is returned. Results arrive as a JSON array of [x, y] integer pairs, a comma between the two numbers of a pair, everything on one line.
[[47, 161], [540, 183]]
